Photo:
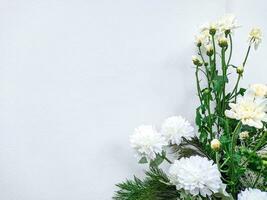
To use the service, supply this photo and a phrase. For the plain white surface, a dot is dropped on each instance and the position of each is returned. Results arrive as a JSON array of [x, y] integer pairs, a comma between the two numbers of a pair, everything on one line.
[[76, 77]]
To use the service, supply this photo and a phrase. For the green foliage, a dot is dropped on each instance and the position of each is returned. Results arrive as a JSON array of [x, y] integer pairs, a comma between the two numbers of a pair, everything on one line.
[[154, 187]]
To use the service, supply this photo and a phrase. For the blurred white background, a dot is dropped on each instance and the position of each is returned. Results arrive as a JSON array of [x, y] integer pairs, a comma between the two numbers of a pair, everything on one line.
[[77, 76]]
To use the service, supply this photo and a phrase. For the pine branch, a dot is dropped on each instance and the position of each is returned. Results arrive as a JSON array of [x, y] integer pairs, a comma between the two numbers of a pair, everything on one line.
[[154, 187]]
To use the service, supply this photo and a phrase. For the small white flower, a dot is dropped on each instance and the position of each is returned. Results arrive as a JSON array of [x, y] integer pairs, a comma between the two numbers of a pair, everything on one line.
[[255, 36], [176, 127], [147, 142], [258, 90], [228, 23], [251, 111], [203, 38], [196, 175], [209, 47], [209, 26], [252, 194], [243, 135]]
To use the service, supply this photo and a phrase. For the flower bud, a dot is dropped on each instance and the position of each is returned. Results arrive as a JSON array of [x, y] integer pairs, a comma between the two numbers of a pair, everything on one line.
[[244, 135], [206, 91], [215, 144], [223, 42], [212, 29], [240, 70], [209, 49], [196, 61], [227, 32]]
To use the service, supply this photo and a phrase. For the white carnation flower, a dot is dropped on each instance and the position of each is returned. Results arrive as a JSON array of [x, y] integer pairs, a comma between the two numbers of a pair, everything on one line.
[[251, 111], [252, 194], [258, 90], [255, 36], [176, 127], [147, 142], [196, 175], [228, 23]]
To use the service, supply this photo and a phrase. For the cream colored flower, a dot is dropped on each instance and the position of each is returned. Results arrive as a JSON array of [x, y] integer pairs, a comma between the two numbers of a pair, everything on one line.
[[203, 38], [228, 23], [250, 110], [258, 90], [211, 26], [255, 37]]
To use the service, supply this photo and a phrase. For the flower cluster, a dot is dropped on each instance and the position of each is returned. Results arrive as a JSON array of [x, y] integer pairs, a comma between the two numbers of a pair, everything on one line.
[[226, 157], [148, 142]]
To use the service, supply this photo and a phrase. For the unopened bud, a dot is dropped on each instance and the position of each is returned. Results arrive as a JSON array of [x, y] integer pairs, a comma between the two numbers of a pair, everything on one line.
[[215, 144], [196, 61], [213, 28], [223, 42], [240, 69], [244, 135], [209, 49]]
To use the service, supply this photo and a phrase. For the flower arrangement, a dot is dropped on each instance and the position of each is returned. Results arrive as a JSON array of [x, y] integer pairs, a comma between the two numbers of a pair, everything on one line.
[[225, 157]]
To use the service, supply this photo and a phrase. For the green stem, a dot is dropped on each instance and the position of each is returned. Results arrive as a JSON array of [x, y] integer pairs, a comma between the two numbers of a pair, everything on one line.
[[239, 75], [231, 50], [224, 70], [235, 135], [262, 140], [198, 85]]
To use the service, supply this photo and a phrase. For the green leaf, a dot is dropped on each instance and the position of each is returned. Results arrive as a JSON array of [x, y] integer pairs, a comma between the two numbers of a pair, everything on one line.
[[143, 160], [157, 161], [218, 83]]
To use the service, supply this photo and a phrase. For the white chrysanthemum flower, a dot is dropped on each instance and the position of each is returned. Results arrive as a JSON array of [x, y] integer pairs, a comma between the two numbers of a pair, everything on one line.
[[251, 111], [209, 26], [258, 90], [176, 127], [252, 194], [255, 37], [147, 142], [196, 175], [228, 23], [203, 38]]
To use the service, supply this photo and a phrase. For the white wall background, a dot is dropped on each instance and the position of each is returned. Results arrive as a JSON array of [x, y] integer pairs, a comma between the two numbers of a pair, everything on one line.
[[76, 77]]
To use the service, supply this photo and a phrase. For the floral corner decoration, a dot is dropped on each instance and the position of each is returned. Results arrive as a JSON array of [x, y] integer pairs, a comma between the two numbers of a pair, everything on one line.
[[226, 157]]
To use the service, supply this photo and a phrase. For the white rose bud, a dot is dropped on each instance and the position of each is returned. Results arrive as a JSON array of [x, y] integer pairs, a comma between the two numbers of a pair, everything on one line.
[[215, 144], [244, 135]]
